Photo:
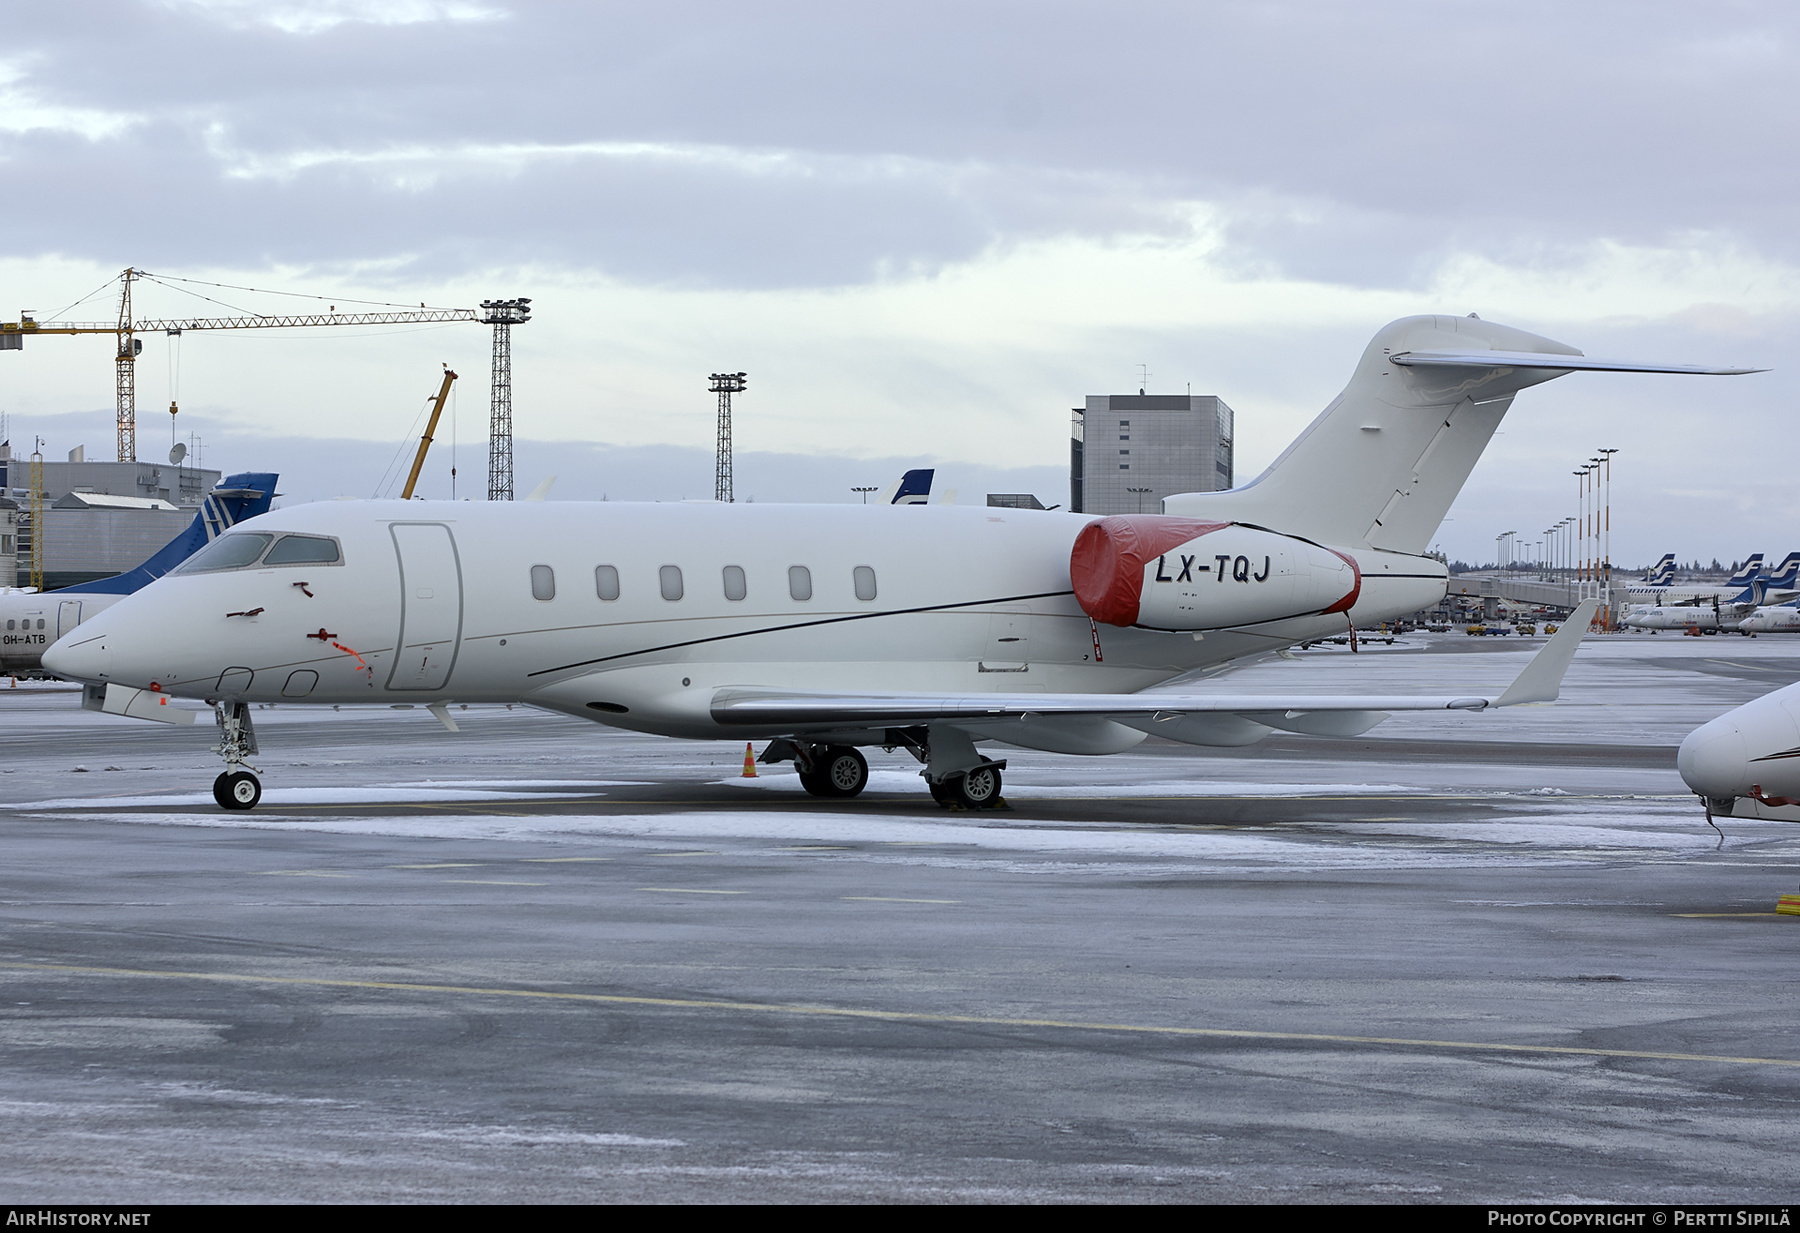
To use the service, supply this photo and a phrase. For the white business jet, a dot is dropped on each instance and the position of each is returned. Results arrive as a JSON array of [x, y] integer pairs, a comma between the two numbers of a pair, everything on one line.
[[1753, 752], [826, 629]]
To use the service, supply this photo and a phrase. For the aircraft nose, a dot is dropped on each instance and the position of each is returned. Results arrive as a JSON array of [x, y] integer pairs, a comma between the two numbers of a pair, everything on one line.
[[1713, 760], [81, 655]]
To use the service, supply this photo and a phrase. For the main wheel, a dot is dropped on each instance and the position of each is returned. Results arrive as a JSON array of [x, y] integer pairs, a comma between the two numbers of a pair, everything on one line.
[[943, 793], [979, 789], [237, 790], [815, 783], [844, 770]]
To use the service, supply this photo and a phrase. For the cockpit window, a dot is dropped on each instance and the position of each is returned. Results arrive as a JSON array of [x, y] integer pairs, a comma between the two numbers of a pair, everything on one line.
[[226, 552], [242, 549], [303, 550]]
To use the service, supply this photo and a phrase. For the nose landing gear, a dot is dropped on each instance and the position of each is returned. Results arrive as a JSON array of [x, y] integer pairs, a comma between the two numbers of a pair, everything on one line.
[[238, 787]]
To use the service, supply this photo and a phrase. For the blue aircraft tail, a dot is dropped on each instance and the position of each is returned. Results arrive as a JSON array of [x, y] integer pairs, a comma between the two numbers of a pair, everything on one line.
[[915, 487], [1751, 571], [236, 498]]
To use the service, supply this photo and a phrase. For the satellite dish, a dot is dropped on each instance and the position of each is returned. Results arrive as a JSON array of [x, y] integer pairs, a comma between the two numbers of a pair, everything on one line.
[[177, 453]]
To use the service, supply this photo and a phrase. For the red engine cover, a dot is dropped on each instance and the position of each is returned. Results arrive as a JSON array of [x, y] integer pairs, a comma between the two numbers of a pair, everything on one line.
[[1108, 560]]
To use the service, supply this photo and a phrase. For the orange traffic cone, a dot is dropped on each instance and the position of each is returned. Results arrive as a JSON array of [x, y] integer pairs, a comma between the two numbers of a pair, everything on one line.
[[749, 762]]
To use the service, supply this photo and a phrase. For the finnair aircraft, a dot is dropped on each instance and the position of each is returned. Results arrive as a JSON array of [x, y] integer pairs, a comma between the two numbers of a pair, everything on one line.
[[1714, 614], [31, 620], [1661, 589], [1773, 619], [828, 629]]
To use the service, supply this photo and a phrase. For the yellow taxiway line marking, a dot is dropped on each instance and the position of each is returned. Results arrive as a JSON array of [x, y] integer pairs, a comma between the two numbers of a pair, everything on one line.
[[697, 853], [891, 899], [688, 890], [905, 1016], [1707, 915]]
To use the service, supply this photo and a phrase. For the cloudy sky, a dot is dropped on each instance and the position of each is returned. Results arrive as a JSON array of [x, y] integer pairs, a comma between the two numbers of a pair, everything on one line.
[[926, 231]]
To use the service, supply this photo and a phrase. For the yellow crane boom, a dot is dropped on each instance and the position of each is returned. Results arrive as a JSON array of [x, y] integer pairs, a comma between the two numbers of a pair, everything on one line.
[[430, 427]]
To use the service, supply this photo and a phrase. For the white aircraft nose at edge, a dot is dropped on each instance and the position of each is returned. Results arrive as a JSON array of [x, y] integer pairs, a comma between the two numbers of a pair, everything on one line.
[[1748, 759], [828, 628]]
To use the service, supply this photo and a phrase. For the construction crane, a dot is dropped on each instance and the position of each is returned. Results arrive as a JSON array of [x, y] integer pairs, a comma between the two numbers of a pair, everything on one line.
[[14, 333], [437, 409]]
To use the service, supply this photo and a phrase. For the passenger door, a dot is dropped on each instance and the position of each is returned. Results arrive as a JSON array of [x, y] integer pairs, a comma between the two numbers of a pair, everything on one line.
[[430, 606]]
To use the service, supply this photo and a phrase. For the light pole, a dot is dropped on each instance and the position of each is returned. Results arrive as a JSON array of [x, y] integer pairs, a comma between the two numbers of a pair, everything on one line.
[[1606, 544], [1140, 497], [865, 493]]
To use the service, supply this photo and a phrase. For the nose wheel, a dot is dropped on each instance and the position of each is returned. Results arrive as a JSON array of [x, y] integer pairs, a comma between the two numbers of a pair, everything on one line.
[[237, 790]]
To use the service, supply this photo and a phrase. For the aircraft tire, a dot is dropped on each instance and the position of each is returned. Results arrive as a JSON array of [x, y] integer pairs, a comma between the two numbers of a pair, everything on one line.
[[237, 790], [979, 788], [815, 783], [943, 793], [843, 771]]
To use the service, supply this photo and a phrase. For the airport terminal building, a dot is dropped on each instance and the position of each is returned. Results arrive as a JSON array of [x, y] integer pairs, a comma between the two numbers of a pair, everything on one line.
[[1129, 451]]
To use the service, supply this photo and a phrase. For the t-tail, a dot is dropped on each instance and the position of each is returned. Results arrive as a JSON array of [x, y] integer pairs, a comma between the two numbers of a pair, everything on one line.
[[1380, 466], [236, 498]]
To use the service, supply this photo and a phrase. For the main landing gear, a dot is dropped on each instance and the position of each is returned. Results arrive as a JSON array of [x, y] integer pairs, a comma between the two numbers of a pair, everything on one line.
[[978, 788], [238, 787], [954, 772], [834, 770]]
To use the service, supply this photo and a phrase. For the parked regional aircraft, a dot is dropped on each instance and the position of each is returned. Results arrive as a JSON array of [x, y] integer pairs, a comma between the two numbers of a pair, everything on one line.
[[1715, 614], [1753, 751], [31, 620], [828, 628], [1773, 619], [1661, 589]]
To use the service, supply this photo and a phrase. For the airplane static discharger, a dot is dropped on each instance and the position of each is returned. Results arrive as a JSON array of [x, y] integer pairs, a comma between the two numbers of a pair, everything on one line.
[[828, 629]]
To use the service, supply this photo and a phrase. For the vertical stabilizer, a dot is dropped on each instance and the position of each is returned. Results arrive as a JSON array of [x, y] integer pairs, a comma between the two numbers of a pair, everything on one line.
[[1380, 466]]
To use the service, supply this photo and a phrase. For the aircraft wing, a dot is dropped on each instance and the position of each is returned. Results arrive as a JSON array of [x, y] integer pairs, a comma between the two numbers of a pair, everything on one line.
[[1545, 359], [1321, 714]]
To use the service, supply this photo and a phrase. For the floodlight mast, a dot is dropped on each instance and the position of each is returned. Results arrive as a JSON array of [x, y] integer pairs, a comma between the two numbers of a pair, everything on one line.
[[502, 315], [725, 384]]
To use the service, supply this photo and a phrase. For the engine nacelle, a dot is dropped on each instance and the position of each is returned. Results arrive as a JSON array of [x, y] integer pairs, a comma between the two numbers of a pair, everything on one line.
[[1164, 572]]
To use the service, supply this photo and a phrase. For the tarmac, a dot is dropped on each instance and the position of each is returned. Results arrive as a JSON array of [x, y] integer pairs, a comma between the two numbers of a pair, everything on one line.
[[1470, 958]]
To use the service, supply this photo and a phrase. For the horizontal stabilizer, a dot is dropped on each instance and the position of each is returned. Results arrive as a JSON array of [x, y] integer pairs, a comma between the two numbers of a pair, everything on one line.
[[1562, 363]]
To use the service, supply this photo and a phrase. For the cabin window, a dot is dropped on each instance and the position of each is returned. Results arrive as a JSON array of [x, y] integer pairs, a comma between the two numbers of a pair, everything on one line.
[[865, 582], [735, 588], [543, 582], [303, 550], [40, 622], [670, 577], [799, 582], [227, 552], [11, 624], [606, 582]]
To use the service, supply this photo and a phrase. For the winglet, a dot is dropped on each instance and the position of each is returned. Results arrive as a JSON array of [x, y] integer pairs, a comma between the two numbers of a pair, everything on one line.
[[542, 491], [1542, 678]]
